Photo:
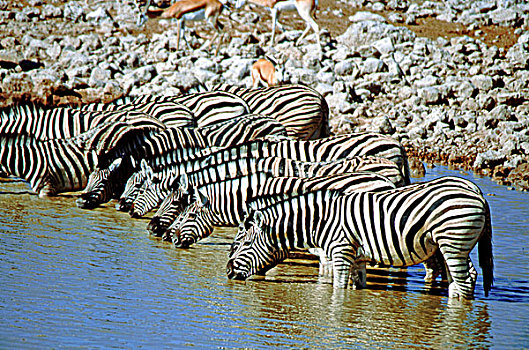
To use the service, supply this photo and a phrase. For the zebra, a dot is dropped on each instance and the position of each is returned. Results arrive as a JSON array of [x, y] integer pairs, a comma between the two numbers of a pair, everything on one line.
[[105, 184], [332, 148], [228, 203], [400, 227], [163, 185], [157, 147], [240, 129], [302, 110], [313, 151], [224, 134], [208, 108], [62, 122], [222, 203], [172, 114], [58, 165], [131, 190], [50, 167]]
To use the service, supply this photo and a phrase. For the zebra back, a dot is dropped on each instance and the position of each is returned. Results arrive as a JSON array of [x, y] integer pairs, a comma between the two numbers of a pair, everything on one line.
[[110, 106], [207, 107], [212, 107], [60, 123], [241, 129], [302, 110], [213, 168], [174, 115]]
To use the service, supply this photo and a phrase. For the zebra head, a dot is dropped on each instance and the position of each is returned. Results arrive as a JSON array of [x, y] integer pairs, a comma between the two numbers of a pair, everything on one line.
[[173, 204], [149, 194], [101, 186], [253, 250], [129, 194], [193, 223]]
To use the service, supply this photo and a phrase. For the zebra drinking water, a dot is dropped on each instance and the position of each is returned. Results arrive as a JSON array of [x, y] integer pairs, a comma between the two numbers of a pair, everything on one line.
[[400, 227]]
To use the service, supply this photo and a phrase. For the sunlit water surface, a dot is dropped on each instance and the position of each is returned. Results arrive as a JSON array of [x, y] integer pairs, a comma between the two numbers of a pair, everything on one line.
[[95, 279]]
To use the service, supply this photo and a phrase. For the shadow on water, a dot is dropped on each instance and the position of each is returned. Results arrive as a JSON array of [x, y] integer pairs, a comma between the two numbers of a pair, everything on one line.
[[80, 278]]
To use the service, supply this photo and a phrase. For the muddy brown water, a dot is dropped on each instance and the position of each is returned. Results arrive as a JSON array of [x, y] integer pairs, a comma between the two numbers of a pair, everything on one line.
[[94, 279]]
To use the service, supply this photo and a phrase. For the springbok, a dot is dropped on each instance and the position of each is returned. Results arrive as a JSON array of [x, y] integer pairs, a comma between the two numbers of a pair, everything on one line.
[[265, 73], [191, 10], [305, 8]]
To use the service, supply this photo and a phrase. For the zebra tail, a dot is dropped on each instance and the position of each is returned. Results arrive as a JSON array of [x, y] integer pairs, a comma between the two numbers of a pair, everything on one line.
[[406, 168], [325, 130], [485, 252]]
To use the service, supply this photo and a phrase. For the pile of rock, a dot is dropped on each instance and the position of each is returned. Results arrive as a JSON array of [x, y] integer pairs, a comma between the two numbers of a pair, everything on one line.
[[456, 101]]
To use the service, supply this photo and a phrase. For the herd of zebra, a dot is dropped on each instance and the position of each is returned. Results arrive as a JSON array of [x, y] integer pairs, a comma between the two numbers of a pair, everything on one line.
[[263, 160]]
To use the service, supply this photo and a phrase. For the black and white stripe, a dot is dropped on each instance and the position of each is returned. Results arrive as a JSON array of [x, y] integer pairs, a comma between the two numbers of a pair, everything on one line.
[[302, 110], [59, 123], [400, 227], [217, 166], [50, 167], [240, 129], [223, 203]]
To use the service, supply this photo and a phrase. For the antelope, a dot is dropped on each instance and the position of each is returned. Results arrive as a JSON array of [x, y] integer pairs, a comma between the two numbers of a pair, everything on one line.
[[264, 72], [305, 8], [192, 10]]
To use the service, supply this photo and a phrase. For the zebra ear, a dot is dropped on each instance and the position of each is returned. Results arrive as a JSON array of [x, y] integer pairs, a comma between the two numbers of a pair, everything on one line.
[[202, 197], [146, 168], [183, 182], [133, 162], [115, 164], [258, 218]]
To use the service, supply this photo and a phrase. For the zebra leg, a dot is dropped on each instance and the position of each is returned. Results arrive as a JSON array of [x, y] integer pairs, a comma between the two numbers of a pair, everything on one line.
[[343, 262], [325, 266], [464, 277], [434, 267], [341, 272]]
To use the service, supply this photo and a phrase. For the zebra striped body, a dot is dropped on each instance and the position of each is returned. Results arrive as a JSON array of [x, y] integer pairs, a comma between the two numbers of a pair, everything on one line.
[[110, 106], [302, 110], [241, 129], [207, 107], [332, 148], [223, 203], [59, 123], [174, 115], [158, 147], [59, 165], [328, 149], [400, 227], [163, 183], [50, 167]]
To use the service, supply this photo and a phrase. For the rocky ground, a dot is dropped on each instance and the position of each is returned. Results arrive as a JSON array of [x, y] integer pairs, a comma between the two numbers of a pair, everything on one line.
[[449, 79]]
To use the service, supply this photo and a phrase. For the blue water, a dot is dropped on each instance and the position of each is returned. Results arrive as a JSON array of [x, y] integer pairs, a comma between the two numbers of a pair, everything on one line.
[[94, 279]]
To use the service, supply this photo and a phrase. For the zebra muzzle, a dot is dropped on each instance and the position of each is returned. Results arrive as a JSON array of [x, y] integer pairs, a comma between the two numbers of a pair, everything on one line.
[[122, 205], [86, 202], [233, 273]]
